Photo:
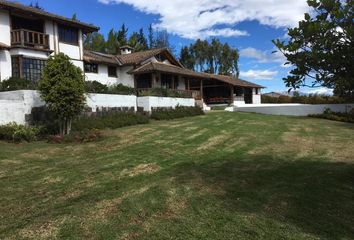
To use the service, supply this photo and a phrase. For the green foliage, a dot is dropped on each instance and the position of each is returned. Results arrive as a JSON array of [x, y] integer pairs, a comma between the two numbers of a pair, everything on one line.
[[84, 136], [18, 133], [16, 83], [321, 48], [213, 57], [95, 87], [336, 116], [163, 92], [95, 42], [111, 121], [63, 89], [311, 99], [121, 89], [178, 112]]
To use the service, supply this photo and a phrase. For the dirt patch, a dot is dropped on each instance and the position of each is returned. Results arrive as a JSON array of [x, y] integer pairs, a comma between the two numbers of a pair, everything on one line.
[[149, 168], [175, 204], [48, 230], [214, 141], [52, 180], [197, 134], [108, 207]]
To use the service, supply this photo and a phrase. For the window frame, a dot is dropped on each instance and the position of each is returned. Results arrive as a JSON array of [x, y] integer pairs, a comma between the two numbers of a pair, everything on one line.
[[115, 75], [74, 42], [90, 70], [18, 68]]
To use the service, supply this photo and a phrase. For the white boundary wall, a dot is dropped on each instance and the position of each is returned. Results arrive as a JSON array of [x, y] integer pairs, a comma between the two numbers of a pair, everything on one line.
[[164, 102], [95, 101], [15, 105], [293, 109]]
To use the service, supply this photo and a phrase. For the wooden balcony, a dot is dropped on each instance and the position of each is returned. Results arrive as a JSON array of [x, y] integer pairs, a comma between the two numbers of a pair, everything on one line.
[[27, 38]]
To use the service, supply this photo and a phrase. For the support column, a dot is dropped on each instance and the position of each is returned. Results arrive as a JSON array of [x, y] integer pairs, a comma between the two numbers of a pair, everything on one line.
[[153, 80], [232, 94], [201, 88]]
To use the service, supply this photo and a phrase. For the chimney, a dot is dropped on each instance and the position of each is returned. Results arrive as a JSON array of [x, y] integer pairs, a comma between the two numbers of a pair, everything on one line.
[[126, 49]]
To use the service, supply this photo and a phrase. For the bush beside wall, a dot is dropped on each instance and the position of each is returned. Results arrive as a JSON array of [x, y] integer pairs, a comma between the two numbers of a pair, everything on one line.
[[16, 83], [112, 121], [97, 87], [336, 116], [18, 133], [312, 99], [178, 112]]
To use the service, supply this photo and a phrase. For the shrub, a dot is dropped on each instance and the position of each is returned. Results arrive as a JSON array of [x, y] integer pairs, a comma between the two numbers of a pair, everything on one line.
[[18, 133], [336, 116], [112, 121], [178, 112], [121, 89], [311, 99], [162, 92], [16, 83], [95, 87], [77, 137]]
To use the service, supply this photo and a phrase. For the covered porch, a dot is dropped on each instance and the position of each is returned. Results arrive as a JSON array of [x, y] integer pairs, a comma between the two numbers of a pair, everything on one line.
[[212, 89]]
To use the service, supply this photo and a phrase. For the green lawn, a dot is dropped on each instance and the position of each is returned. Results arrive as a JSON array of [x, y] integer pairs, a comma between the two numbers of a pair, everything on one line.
[[218, 176]]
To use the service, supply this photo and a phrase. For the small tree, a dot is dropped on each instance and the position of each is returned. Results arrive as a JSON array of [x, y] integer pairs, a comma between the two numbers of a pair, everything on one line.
[[63, 89]]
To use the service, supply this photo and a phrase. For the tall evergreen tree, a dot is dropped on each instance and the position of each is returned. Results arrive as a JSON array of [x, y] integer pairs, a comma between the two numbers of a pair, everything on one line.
[[112, 45], [187, 58], [151, 37], [122, 36], [95, 42]]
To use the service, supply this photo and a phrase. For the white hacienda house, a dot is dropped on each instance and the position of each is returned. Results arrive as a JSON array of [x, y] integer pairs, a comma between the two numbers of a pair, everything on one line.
[[28, 36]]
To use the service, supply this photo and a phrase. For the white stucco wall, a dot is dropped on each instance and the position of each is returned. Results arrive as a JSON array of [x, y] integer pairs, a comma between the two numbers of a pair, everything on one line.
[[95, 101], [156, 102], [102, 76], [5, 65], [292, 109], [256, 99], [14, 105], [29, 53], [72, 51], [125, 78], [5, 36]]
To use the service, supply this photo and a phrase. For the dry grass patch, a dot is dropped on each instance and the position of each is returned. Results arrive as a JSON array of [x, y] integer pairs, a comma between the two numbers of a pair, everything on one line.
[[48, 230], [214, 141], [149, 168]]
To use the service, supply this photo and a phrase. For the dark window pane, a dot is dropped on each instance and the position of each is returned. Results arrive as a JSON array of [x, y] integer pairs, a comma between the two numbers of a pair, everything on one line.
[[112, 71], [91, 67], [15, 66], [68, 35], [32, 69]]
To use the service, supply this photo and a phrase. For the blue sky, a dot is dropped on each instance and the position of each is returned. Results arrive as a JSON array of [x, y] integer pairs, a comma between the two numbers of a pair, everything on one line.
[[247, 25]]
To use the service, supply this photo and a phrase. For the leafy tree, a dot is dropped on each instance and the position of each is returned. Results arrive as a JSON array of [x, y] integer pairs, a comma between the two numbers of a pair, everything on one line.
[[321, 48], [74, 17], [151, 37], [187, 58], [122, 37], [142, 41], [95, 42], [112, 44], [63, 89]]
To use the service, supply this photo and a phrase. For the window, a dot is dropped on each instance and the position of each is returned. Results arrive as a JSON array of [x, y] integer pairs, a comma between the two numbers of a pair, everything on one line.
[[112, 71], [28, 68], [257, 91], [32, 69], [68, 35], [91, 67], [15, 61]]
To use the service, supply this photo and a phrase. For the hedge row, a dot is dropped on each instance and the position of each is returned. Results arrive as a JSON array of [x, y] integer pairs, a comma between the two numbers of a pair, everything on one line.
[[178, 112], [336, 116], [312, 99]]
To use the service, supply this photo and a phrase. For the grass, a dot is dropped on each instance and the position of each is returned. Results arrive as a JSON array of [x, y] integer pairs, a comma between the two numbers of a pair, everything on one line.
[[218, 176]]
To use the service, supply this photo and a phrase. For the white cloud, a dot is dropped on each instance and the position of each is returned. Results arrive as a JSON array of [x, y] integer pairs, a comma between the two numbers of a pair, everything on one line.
[[258, 74], [318, 91], [263, 56], [204, 18]]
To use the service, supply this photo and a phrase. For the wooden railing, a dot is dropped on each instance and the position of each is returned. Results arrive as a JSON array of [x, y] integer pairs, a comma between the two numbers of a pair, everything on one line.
[[160, 92], [239, 99], [27, 38]]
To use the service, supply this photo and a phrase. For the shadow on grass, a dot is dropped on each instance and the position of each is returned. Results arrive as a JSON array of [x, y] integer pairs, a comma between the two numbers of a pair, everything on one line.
[[316, 197]]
